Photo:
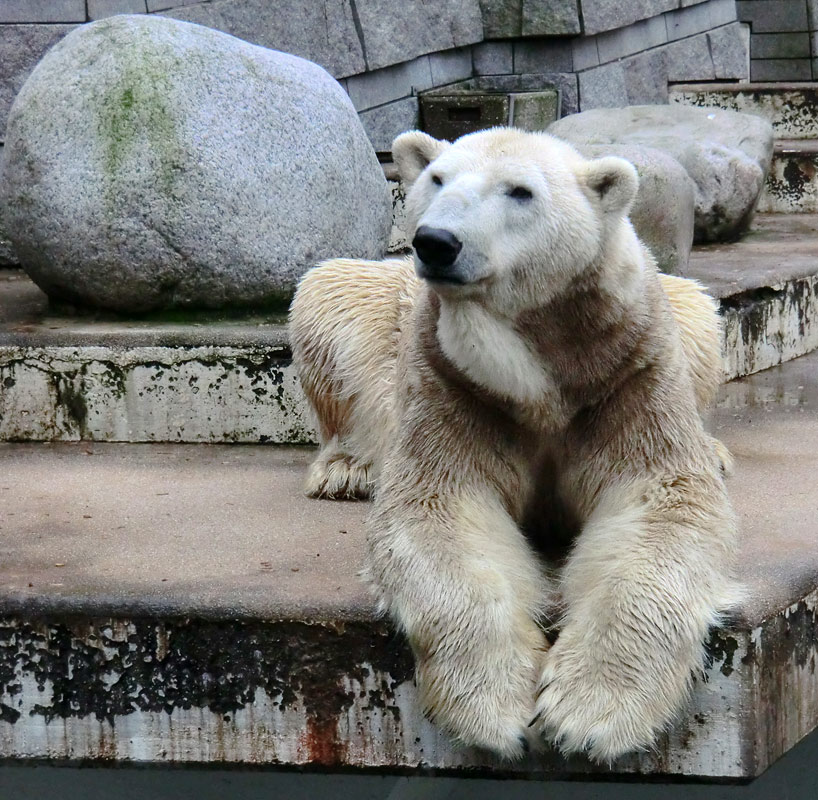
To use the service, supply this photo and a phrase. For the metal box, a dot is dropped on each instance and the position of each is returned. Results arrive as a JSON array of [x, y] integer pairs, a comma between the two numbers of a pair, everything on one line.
[[522, 101]]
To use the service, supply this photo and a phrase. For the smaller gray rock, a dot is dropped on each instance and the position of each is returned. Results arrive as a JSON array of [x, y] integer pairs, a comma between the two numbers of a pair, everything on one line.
[[726, 154], [663, 212]]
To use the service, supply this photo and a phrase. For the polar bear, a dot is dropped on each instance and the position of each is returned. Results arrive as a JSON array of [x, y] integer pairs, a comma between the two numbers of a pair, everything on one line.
[[525, 398]]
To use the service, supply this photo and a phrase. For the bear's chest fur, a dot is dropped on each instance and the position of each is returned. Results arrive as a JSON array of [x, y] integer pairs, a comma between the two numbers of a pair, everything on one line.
[[549, 379], [494, 356], [553, 362]]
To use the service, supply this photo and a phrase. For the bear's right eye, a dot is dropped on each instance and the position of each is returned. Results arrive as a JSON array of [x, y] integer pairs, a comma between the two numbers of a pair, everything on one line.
[[437, 180]]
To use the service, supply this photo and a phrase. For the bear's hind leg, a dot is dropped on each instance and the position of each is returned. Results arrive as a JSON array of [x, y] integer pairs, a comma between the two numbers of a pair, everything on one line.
[[336, 474], [698, 321], [345, 325]]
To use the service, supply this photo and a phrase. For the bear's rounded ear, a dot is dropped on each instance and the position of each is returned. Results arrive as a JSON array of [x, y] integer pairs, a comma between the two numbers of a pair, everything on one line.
[[413, 151], [611, 181]]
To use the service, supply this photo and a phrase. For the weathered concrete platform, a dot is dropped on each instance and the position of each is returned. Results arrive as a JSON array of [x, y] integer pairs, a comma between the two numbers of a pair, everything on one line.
[[206, 379], [194, 378], [185, 604], [768, 287]]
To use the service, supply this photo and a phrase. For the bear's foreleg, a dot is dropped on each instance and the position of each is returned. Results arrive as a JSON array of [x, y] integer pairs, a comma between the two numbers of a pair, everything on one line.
[[456, 574], [647, 578]]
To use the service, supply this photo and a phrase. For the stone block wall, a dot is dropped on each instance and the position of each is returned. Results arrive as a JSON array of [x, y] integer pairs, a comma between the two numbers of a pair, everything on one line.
[[783, 39], [626, 53], [600, 52]]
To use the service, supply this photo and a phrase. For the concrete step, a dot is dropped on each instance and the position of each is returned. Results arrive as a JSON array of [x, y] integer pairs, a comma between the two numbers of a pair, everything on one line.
[[792, 108], [186, 604], [767, 284], [105, 379], [792, 186], [231, 380]]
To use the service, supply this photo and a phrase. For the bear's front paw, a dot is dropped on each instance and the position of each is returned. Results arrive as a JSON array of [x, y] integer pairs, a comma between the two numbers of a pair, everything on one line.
[[487, 720], [599, 704], [484, 698]]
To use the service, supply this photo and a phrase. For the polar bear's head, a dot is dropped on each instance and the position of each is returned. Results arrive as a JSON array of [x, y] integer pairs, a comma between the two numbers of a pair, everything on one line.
[[512, 215]]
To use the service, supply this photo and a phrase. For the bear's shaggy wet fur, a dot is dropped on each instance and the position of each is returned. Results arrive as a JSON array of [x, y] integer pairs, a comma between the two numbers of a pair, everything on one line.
[[539, 384]]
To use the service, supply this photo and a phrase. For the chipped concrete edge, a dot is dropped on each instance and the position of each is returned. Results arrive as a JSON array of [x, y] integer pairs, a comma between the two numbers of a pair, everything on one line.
[[789, 108], [769, 325], [151, 394], [341, 696], [791, 187], [781, 687]]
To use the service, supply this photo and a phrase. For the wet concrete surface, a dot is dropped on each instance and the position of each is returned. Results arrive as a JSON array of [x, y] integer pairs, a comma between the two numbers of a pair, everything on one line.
[[770, 423], [28, 320], [224, 530], [779, 248]]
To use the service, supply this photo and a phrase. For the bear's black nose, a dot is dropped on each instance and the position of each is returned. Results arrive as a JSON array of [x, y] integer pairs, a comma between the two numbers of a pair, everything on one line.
[[436, 247]]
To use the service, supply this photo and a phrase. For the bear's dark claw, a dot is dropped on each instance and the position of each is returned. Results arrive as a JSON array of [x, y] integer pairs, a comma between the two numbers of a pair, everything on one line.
[[542, 689]]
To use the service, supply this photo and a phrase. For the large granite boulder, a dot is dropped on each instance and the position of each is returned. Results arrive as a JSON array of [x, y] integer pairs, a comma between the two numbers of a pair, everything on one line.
[[662, 214], [152, 163], [726, 154]]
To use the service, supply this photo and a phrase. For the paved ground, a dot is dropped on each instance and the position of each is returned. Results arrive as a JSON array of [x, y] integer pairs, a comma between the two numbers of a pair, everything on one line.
[[214, 530], [224, 530]]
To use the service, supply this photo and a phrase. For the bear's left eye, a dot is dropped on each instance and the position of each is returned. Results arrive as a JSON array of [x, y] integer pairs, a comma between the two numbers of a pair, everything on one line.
[[520, 193], [437, 180]]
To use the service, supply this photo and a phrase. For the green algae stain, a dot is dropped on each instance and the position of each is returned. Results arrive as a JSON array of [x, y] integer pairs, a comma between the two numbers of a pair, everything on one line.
[[137, 121], [120, 132]]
